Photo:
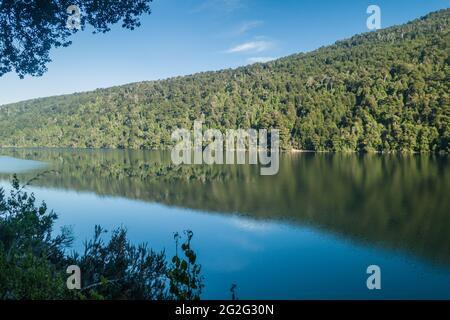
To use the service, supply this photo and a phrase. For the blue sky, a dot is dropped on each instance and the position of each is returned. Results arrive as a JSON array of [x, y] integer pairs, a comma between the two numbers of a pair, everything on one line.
[[187, 36]]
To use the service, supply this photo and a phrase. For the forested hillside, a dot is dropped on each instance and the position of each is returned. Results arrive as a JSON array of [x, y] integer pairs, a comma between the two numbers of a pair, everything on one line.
[[380, 91]]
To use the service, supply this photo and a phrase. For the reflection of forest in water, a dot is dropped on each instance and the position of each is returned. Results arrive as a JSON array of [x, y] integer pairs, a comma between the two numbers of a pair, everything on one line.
[[400, 202]]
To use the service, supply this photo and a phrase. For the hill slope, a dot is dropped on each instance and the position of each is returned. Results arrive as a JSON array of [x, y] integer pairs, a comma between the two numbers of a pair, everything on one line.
[[381, 91]]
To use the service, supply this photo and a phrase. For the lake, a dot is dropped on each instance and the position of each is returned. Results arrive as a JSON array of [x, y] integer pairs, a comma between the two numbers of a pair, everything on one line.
[[309, 232]]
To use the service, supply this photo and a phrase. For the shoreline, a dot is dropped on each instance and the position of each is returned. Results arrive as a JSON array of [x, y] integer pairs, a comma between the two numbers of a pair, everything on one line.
[[289, 151]]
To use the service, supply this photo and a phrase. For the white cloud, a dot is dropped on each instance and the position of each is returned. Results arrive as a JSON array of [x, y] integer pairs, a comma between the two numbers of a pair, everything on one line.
[[260, 59], [251, 225], [247, 26], [253, 46], [219, 5]]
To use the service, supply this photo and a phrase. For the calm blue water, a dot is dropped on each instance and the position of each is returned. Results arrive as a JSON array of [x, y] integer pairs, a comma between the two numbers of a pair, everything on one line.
[[321, 252], [13, 165]]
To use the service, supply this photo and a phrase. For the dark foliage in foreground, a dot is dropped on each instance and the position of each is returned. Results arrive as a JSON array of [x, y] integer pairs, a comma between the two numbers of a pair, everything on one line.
[[29, 29], [33, 262]]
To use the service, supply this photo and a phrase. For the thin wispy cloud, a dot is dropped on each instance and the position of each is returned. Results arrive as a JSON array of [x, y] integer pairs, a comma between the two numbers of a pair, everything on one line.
[[260, 59], [226, 6], [252, 47], [247, 26], [251, 225], [241, 29]]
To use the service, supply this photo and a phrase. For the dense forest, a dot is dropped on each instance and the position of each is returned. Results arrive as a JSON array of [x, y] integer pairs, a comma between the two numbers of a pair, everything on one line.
[[33, 260], [381, 91]]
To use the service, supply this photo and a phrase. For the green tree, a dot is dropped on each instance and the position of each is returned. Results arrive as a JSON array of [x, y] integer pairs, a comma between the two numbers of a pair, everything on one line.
[[33, 262], [29, 29]]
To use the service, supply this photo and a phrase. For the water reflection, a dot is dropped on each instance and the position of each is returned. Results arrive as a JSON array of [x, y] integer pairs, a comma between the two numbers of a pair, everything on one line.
[[399, 202], [13, 165]]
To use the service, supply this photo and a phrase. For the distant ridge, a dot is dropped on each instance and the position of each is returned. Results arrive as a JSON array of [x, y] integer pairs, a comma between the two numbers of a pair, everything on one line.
[[380, 91]]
